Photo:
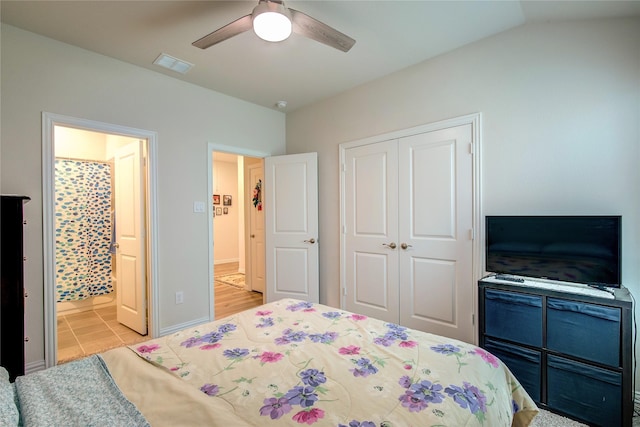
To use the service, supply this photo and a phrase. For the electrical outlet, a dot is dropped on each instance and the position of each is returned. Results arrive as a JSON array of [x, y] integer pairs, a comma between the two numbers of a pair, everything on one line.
[[179, 297]]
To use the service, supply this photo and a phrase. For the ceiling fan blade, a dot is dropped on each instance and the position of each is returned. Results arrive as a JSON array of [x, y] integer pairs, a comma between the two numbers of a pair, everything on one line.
[[312, 28], [233, 29]]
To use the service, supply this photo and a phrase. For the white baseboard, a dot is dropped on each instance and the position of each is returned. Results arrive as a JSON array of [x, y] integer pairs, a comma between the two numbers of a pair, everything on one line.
[[175, 328], [36, 366], [73, 307], [225, 261]]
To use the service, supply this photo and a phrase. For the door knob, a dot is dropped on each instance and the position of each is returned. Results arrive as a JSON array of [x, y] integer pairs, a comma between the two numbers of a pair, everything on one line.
[[253, 236], [390, 245], [405, 246], [311, 240], [116, 245]]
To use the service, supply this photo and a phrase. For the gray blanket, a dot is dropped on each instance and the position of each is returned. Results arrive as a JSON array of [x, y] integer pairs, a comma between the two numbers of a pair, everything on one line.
[[78, 393]]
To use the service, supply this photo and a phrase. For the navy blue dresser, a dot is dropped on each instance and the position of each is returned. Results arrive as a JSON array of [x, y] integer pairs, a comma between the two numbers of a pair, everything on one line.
[[571, 352]]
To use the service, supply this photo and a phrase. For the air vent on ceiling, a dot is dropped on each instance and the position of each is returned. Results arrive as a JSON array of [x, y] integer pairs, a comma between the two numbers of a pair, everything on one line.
[[174, 64]]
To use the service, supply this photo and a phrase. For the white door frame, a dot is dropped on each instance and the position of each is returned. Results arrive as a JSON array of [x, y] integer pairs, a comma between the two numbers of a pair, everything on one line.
[[238, 151], [475, 120], [49, 121]]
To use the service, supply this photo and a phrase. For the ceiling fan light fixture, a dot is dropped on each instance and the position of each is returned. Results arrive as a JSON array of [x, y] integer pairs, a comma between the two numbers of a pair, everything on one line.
[[272, 21]]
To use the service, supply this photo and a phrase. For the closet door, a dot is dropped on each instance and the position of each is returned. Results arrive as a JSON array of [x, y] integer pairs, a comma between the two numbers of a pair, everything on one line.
[[371, 230], [435, 232]]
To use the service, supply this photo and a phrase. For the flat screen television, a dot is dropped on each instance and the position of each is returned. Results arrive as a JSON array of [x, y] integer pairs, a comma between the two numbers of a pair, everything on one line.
[[578, 249]]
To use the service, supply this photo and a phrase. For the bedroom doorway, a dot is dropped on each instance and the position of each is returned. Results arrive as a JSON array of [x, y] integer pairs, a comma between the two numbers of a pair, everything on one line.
[[237, 233], [99, 251]]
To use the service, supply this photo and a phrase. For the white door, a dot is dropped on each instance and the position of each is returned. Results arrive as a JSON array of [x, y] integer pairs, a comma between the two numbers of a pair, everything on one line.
[[290, 202], [408, 217], [435, 243], [371, 228], [131, 292], [256, 229]]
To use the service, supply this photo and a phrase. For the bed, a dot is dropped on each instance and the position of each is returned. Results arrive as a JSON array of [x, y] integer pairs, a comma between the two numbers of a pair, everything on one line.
[[285, 363]]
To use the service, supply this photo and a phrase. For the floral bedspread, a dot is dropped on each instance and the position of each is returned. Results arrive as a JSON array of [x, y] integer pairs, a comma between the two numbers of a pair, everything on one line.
[[292, 362]]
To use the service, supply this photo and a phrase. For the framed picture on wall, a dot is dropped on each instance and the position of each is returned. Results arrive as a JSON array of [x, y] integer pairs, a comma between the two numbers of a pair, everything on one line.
[[218, 211], [226, 200], [216, 199], [225, 210]]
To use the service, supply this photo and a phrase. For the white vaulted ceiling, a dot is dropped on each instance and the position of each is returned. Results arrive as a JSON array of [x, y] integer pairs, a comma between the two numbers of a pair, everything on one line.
[[390, 35]]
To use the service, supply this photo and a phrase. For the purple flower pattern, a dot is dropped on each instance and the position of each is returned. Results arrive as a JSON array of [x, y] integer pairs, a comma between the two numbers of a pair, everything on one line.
[[468, 397], [304, 395], [419, 393], [210, 337], [363, 368]]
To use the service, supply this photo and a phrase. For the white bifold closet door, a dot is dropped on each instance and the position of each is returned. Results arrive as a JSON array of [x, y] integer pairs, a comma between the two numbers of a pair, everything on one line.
[[408, 239]]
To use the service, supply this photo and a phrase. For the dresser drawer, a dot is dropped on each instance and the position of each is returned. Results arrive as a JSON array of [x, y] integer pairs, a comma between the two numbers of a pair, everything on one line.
[[525, 364], [572, 327], [513, 316], [584, 391]]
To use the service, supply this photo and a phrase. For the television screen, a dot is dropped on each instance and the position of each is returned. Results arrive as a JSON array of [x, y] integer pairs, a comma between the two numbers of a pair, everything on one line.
[[579, 249]]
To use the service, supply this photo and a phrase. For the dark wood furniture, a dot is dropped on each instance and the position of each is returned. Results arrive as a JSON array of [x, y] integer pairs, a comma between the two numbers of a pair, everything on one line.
[[571, 352], [12, 290]]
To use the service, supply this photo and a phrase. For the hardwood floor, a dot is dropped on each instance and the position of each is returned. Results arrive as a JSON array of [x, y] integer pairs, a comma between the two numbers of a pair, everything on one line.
[[228, 299], [96, 331]]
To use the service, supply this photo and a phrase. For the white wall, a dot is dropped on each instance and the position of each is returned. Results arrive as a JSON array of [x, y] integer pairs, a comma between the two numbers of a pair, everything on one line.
[[561, 133], [39, 74], [79, 144], [225, 227]]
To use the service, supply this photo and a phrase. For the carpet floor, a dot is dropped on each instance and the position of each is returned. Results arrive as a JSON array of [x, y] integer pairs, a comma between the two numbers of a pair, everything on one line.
[[549, 419]]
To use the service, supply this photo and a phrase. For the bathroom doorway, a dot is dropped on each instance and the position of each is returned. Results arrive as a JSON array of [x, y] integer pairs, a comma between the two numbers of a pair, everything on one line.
[[99, 236]]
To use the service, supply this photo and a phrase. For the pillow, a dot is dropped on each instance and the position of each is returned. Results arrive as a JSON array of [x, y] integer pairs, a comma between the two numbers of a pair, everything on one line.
[[9, 415]]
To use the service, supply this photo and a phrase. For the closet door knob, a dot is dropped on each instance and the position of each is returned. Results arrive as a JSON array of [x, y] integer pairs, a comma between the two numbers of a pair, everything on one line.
[[311, 240], [116, 245], [390, 245], [405, 246]]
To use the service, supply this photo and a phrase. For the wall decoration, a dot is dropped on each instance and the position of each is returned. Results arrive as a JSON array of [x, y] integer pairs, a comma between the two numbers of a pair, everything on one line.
[[218, 211], [226, 200], [225, 210], [257, 195], [216, 199], [83, 229]]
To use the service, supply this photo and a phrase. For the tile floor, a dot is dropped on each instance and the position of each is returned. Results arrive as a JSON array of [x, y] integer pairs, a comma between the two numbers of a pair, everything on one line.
[[90, 332], [95, 331]]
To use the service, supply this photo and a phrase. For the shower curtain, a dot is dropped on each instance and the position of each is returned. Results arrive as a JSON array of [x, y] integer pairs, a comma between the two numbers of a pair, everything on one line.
[[83, 229]]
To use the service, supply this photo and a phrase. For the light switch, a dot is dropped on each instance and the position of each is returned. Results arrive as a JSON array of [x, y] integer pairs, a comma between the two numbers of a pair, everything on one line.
[[198, 207]]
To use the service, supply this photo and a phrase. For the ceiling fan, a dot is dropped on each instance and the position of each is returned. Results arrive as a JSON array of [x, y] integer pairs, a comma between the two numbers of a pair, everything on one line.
[[271, 20]]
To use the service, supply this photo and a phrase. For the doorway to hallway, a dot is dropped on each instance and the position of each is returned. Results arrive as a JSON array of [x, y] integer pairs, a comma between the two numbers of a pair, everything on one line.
[[237, 231]]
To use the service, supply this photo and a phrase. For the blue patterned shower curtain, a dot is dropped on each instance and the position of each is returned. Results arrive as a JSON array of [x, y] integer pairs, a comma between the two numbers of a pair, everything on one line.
[[83, 229]]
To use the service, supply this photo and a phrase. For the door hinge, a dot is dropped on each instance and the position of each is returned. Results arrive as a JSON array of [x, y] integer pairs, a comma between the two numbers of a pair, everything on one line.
[[344, 291], [471, 148], [344, 167], [472, 234], [344, 229], [473, 319]]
